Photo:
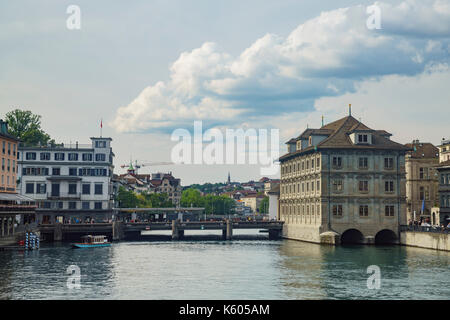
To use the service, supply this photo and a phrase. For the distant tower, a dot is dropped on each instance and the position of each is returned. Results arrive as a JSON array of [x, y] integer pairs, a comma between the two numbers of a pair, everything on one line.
[[131, 169], [229, 179]]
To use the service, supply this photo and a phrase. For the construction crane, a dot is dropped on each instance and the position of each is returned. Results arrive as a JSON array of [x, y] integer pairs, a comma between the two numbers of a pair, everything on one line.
[[137, 165]]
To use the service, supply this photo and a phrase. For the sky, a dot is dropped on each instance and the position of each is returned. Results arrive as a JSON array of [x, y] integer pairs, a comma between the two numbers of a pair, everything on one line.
[[148, 68]]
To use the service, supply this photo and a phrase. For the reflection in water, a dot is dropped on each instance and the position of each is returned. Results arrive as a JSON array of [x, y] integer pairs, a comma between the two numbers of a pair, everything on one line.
[[257, 269]]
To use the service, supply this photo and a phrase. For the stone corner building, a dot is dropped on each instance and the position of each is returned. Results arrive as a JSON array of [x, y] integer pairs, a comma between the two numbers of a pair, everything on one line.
[[421, 179], [343, 183]]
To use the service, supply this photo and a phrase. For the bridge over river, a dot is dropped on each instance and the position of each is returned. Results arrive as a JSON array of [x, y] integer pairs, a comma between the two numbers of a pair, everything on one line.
[[118, 230]]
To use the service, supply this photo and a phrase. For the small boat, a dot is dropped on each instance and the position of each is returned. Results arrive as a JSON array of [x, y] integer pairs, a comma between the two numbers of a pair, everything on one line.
[[92, 242]]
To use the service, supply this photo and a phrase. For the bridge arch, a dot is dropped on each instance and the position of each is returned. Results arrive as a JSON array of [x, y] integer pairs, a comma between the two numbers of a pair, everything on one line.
[[352, 236], [386, 236]]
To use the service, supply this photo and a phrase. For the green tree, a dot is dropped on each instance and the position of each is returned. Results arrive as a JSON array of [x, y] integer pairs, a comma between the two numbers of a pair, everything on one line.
[[127, 199], [264, 206], [27, 127], [191, 197]]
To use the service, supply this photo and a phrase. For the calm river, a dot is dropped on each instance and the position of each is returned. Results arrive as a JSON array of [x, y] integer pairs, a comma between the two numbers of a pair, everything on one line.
[[239, 269]]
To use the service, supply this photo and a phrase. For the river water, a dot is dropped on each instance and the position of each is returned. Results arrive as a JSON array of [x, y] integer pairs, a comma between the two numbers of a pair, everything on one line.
[[215, 269]]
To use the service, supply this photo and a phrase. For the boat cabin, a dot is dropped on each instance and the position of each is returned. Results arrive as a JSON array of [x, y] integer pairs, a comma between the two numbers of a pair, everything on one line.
[[90, 239]]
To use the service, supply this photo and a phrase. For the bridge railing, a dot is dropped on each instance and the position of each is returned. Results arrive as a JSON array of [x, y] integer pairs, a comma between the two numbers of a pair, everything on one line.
[[433, 229]]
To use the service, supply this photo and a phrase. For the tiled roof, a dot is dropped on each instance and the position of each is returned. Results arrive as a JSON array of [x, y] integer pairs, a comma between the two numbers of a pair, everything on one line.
[[339, 138], [423, 150]]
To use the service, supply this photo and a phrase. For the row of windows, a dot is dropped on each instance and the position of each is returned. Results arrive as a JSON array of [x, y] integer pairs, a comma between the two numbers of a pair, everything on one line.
[[71, 205], [389, 210], [301, 209], [445, 201], [9, 180], [305, 164], [56, 171], [445, 178], [363, 163], [337, 185], [60, 156], [41, 188], [8, 165], [9, 148], [295, 188], [363, 186]]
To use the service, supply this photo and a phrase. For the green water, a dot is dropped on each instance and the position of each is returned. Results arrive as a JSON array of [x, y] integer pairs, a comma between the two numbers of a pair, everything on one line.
[[244, 269]]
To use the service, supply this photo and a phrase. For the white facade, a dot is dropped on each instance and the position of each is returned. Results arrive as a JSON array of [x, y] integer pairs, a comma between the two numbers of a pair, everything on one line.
[[68, 180]]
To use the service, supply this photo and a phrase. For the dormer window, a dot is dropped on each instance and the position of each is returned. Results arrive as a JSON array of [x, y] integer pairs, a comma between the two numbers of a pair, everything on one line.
[[310, 141], [362, 138]]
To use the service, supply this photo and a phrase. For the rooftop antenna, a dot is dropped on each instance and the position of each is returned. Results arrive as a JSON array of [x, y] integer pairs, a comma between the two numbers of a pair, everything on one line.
[[322, 120]]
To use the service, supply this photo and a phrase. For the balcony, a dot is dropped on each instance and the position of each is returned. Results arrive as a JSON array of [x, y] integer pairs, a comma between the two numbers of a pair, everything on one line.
[[64, 196]]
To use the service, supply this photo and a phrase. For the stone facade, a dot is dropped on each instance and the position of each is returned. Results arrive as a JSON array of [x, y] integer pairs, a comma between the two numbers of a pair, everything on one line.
[[421, 179], [343, 182]]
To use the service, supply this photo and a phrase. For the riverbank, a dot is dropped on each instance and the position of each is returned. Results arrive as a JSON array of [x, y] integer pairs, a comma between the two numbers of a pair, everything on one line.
[[427, 240]]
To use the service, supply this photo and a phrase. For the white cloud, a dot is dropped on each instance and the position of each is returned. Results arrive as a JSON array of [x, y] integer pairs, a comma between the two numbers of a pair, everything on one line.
[[326, 56]]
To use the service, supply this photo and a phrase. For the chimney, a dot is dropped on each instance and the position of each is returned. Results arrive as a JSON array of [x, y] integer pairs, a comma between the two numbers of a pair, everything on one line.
[[349, 109]]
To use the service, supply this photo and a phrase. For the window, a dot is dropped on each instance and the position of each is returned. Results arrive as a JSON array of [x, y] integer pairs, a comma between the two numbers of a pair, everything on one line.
[[59, 156], [388, 163], [72, 188], [364, 186], [86, 189], [362, 138], [73, 156], [337, 210], [389, 186], [389, 211], [100, 144], [87, 156], [30, 156], [98, 188], [337, 162], [14, 149], [338, 185], [41, 188], [102, 157], [85, 205], [9, 147], [45, 156], [72, 171], [363, 163], [72, 205], [421, 193], [9, 164], [3, 147], [364, 211], [55, 189], [318, 185], [98, 205], [312, 164], [423, 173], [56, 171], [29, 188], [318, 162]]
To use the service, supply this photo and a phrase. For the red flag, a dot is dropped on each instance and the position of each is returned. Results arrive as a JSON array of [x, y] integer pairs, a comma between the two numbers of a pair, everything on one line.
[[101, 123]]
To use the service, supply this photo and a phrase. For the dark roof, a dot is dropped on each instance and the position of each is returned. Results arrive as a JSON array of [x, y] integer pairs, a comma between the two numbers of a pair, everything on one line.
[[339, 138], [422, 150], [8, 136]]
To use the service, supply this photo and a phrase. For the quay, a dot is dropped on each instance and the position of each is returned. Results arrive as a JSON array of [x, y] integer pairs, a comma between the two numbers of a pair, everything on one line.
[[118, 230]]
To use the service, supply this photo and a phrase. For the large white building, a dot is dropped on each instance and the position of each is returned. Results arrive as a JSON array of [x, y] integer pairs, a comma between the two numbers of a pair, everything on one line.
[[68, 182]]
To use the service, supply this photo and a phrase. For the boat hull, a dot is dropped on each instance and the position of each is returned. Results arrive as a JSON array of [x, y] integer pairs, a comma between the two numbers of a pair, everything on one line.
[[84, 245]]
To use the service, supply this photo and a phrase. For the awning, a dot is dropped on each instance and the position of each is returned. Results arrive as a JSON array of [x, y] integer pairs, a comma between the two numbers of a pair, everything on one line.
[[14, 197]]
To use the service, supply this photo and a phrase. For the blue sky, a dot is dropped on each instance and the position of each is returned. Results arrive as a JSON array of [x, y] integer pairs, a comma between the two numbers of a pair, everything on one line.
[[149, 67]]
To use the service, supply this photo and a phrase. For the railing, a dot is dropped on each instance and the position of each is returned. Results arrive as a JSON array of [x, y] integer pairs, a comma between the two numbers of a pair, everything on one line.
[[17, 207], [433, 229], [67, 195]]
